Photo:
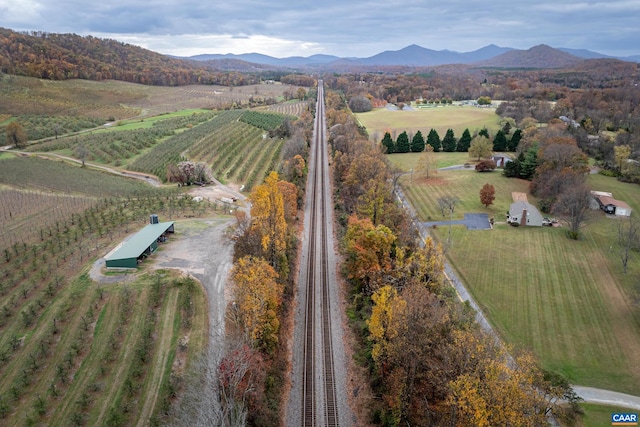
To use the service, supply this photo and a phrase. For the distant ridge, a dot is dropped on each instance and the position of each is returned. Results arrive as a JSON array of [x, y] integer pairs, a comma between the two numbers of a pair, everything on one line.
[[541, 56], [258, 58]]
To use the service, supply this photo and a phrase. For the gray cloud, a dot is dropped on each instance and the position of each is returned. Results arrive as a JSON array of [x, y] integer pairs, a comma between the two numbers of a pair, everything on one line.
[[337, 27]]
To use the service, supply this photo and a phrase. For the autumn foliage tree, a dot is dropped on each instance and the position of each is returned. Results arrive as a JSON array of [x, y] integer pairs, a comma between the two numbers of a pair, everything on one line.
[[480, 147], [368, 250], [427, 163], [16, 134], [268, 213], [257, 297], [487, 194]]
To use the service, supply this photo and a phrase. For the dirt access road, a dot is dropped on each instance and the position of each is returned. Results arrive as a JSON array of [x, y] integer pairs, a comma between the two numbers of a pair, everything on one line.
[[202, 249]]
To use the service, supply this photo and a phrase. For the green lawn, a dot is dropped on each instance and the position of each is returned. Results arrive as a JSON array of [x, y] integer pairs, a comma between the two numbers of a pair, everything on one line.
[[565, 300], [458, 118], [148, 122], [408, 161], [599, 415]]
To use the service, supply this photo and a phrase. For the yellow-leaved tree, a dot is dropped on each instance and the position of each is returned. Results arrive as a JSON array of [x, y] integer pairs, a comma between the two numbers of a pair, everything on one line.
[[387, 307], [267, 211], [257, 297]]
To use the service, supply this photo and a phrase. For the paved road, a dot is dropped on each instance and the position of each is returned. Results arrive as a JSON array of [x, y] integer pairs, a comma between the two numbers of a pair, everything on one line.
[[606, 397], [588, 394], [473, 221]]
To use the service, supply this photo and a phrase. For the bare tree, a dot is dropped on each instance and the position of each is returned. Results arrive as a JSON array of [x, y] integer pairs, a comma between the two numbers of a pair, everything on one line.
[[447, 204], [574, 206], [628, 238], [82, 152], [427, 162]]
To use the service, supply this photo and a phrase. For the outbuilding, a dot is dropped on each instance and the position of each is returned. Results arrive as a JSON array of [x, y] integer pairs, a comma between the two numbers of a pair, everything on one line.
[[142, 244], [611, 206]]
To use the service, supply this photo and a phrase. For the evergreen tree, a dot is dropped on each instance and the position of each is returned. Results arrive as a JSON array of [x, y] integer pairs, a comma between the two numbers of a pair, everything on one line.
[[449, 141], [388, 143], [484, 132], [433, 139], [513, 169], [417, 143], [529, 163], [464, 142], [500, 142], [402, 143], [506, 128], [515, 140]]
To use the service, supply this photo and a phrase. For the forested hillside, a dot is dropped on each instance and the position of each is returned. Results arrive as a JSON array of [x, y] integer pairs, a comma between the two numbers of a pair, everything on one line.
[[70, 56]]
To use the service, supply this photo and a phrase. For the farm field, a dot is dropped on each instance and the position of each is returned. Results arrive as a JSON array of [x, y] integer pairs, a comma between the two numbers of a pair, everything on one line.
[[565, 300], [291, 108], [72, 351], [92, 357], [234, 143], [458, 118], [115, 100], [58, 176]]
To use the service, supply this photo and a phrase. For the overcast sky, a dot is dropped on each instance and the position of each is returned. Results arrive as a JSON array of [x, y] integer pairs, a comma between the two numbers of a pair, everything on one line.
[[343, 28]]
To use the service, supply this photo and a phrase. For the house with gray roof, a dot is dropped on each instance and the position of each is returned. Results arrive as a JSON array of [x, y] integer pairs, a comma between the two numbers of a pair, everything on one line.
[[524, 213]]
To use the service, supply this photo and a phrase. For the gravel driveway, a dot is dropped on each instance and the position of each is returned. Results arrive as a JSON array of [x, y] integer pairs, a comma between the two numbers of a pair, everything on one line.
[[202, 249]]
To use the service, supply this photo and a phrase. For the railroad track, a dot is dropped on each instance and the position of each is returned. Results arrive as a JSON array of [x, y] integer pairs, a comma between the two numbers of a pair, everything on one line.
[[319, 406]]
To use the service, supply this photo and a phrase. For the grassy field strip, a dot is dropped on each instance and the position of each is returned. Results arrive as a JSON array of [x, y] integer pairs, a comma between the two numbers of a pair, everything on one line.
[[155, 374], [122, 363], [198, 336], [408, 161], [626, 328], [457, 118]]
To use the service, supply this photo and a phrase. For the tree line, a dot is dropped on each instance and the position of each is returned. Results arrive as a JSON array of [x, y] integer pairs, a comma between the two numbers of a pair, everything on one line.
[[70, 56]]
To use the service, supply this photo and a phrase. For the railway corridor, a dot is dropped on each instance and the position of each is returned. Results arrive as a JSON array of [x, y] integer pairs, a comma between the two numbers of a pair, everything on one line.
[[318, 394]]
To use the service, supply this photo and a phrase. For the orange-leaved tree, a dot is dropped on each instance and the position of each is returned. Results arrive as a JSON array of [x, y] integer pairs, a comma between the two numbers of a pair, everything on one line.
[[257, 297], [290, 199], [368, 252], [487, 194]]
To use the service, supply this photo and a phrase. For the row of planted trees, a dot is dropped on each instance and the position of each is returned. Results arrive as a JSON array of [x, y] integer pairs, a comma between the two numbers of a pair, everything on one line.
[[429, 363], [502, 141]]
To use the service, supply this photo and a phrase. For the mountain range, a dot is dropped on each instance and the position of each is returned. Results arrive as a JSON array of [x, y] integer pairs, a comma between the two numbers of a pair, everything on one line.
[[541, 56]]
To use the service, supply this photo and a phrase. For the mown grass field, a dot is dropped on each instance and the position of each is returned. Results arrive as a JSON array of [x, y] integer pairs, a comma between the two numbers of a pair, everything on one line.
[[458, 118], [566, 300], [599, 415], [408, 161]]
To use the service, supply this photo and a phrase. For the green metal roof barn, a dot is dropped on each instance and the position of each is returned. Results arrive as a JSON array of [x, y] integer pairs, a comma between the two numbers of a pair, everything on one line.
[[141, 244]]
